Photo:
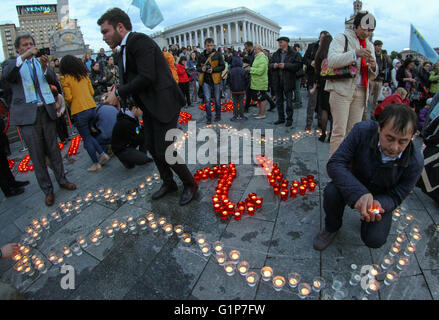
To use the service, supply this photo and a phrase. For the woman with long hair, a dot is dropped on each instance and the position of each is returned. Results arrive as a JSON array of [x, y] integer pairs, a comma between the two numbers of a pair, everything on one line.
[[324, 108], [78, 92], [404, 75]]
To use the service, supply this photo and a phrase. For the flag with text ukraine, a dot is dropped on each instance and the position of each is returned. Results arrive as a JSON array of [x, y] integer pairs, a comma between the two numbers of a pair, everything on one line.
[[150, 13], [418, 44]]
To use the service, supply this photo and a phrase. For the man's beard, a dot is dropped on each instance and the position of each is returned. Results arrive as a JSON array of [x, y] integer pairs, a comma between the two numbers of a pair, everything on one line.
[[116, 39]]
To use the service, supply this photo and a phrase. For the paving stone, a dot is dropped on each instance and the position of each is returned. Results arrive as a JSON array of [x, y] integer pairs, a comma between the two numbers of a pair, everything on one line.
[[407, 288], [432, 278]]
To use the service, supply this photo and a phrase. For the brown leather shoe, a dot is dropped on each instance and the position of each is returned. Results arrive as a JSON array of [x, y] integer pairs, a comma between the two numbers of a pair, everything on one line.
[[323, 240], [50, 199], [68, 186]]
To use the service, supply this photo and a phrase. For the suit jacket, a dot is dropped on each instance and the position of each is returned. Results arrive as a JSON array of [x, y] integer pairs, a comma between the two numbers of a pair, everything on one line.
[[337, 58], [148, 79], [22, 113]]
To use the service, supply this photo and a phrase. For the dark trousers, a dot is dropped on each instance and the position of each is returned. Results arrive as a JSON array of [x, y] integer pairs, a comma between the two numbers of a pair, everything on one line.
[[280, 103], [41, 141], [131, 157], [6, 178], [184, 87], [155, 143], [238, 105], [373, 234], [61, 128]]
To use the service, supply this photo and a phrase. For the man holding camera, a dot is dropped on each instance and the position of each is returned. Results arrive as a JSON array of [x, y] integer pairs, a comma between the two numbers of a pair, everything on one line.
[[33, 110], [211, 65]]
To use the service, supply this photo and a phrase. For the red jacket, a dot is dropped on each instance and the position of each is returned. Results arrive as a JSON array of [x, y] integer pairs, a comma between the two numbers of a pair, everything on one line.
[[182, 75], [392, 99]]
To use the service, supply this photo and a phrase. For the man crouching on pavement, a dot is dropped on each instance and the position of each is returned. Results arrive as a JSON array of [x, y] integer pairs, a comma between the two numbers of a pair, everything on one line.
[[373, 171]]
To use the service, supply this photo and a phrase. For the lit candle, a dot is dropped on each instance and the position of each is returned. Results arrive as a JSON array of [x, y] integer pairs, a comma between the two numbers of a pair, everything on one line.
[[390, 278], [251, 210], [278, 283], [98, 232], [178, 230], [411, 248], [150, 217], [60, 260], [186, 238], [284, 195], [168, 229], [234, 256], [293, 279], [237, 215], [206, 250], [18, 267], [218, 247], [312, 186], [67, 251], [302, 190], [130, 199], [229, 267], [373, 287], [81, 241], [162, 221], [402, 263], [17, 257], [123, 227], [115, 225], [416, 237], [304, 290], [142, 223], [251, 278], [394, 250], [109, 231], [29, 230], [52, 257], [400, 238], [95, 240], [154, 226], [267, 273], [24, 250], [409, 218], [243, 267]]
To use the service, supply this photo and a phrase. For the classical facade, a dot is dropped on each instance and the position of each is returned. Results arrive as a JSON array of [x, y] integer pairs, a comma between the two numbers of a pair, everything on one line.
[[228, 28]]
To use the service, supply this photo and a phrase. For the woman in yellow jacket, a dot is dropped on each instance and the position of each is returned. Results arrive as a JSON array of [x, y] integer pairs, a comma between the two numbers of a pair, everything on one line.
[[78, 93]]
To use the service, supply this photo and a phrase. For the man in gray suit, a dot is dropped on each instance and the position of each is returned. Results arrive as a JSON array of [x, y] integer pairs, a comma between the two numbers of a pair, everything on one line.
[[33, 110]]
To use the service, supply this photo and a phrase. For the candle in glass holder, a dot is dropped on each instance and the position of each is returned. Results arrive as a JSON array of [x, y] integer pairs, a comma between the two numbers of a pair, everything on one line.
[[312, 186], [82, 242], [29, 230], [318, 284], [24, 250], [293, 279], [141, 222], [221, 258], [67, 252], [415, 229], [390, 278], [234, 256], [310, 178], [267, 273], [276, 190], [24, 259], [76, 249], [416, 237], [284, 195], [98, 233], [95, 240], [219, 246], [123, 226], [41, 267], [251, 210], [52, 257], [403, 262], [201, 239], [410, 249], [409, 218], [401, 238], [168, 229], [19, 267], [150, 217], [186, 238], [206, 250], [258, 202], [302, 190], [278, 283], [296, 184], [17, 257], [229, 267], [241, 207], [304, 290], [373, 286], [375, 271], [162, 221], [115, 225], [178, 230], [395, 249], [387, 262], [237, 215], [130, 199], [252, 278], [109, 231], [28, 270]]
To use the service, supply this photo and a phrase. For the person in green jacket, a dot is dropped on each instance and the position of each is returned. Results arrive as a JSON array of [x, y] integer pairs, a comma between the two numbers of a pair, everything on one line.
[[434, 80], [259, 80]]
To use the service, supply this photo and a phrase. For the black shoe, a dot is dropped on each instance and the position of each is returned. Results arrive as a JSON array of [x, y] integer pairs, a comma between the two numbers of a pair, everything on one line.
[[18, 184], [217, 119], [272, 109], [322, 138], [188, 194], [289, 123], [164, 190], [209, 121], [14, 192], [279, 122]]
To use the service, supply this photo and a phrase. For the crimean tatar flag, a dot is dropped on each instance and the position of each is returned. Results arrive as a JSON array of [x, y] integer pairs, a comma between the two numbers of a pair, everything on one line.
[[150, 13], [418, 44]]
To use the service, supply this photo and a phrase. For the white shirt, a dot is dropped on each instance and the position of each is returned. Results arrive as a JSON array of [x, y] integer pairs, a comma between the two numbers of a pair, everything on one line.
[[124, 56]]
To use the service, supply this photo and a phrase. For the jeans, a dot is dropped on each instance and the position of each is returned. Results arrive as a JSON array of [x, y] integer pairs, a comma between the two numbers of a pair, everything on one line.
[[280, 104], [373, 234], [207, 89], [83, 121]]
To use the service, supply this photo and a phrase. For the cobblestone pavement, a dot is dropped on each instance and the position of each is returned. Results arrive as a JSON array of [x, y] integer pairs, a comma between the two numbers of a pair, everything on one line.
[[149, 265]]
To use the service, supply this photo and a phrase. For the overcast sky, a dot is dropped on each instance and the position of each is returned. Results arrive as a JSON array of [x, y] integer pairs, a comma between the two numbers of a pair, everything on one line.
[[297, 18]]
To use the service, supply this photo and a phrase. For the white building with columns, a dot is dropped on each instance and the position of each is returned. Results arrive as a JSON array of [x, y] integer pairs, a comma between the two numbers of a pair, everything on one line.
[[228, 28]]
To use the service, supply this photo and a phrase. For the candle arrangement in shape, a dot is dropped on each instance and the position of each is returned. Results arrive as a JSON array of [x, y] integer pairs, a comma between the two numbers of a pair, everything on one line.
[[278, 283], [267, 273], [252, 278], [243, 268]]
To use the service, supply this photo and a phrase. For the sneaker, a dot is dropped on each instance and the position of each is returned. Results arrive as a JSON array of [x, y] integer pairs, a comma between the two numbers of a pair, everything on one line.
[[323, 240], [234, 119], [243, 118], [95, 167], [260, 117], [103, 158]]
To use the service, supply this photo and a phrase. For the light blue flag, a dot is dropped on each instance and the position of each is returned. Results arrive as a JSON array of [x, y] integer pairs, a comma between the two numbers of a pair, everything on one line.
[[150, 13], [418, 44]]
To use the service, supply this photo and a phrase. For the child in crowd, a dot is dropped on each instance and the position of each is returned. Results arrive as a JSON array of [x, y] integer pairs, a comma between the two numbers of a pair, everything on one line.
[[128, 135], [385, 92], [238, 81], [400, 96]]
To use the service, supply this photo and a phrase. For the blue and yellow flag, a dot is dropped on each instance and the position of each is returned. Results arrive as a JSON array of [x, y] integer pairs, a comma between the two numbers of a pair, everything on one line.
[[150, 13], [418, 44]]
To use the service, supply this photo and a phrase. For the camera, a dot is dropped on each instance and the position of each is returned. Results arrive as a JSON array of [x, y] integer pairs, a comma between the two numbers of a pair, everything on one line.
[[43, 51]]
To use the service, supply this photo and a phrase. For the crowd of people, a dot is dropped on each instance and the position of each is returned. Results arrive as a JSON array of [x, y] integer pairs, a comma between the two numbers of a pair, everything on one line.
[[373, 162]]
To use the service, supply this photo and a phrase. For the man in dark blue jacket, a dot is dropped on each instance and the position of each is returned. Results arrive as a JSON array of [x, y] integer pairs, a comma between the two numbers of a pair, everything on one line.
[[373, 171]]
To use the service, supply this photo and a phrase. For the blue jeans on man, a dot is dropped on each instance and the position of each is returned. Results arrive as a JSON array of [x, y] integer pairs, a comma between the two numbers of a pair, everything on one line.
[[207, 90]]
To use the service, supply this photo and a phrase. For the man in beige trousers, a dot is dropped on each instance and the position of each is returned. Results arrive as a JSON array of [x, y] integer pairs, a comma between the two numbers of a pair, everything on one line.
[[349, 97]]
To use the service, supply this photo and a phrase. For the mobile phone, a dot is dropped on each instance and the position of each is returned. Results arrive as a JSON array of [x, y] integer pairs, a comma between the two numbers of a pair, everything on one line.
[[43, 51]]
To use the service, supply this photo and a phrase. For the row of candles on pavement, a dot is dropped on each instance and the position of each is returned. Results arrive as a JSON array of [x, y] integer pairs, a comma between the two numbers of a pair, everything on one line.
[[282, 186], [24, 166]]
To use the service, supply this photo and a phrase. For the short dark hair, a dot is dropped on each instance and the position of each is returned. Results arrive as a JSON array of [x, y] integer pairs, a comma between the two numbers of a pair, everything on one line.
[[114, 16], [248, 44], [401, 115], [296, 45], [359, 17], [22, 36], [427, 62], [377, 43], [324, 32], [208, 40]]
